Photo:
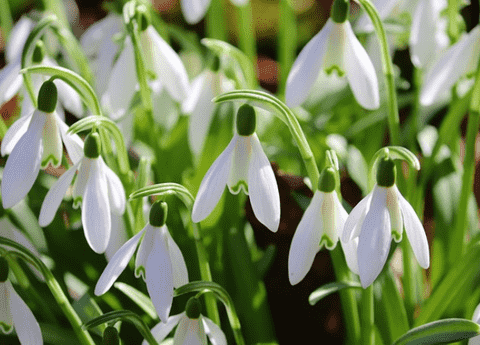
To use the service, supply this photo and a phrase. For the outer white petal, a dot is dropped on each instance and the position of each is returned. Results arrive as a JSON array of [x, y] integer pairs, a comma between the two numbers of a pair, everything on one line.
[[453, 64], [165, 109], [116, 193], [306, 241], [349, 248], [118, 236], [375, 238], [6, 319], [96, 217], [167, 65], [214, 333], [263, 189], [23, 164], [179, 268], [353, 224], [415, 232], [10, 81], [194, 10], [18, 37], [98, 32], [14, 133], [144, 250], [161, 330], [422, 43], [81, 181], [213, 184], [307, 67], [26, 326], [360, 72], [117, 264], [54, 197], [191, 332], [159, 275], [122, 83], [73, 143], [69, 98]]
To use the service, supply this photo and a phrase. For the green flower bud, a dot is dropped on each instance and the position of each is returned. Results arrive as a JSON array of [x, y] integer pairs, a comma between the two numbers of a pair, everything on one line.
[[143, 17], [110, 336], [246, 120], [327, 182], [38, 52], [4, 269], [158, 213], [386, 172], [47, 97], [92, 146], [340, 11], [193, 308]]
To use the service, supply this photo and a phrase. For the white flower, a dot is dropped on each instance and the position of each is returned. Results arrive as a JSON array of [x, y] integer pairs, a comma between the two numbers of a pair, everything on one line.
[[159, 261], [194, 10], [322, 224], [15, 313], [458, 61], [335, 47], [189, 331], [242, 165], [380, 216], [97, 189], [160, 59]]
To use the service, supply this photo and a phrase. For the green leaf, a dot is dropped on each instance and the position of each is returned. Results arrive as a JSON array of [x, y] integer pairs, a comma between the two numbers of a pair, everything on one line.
[[441, 331], [87, 309], [330, 288], [165, 189], [142, 300]]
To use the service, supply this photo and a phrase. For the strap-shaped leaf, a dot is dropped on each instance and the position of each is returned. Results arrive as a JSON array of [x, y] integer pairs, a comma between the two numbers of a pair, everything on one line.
[[328, 289], [142, 300]]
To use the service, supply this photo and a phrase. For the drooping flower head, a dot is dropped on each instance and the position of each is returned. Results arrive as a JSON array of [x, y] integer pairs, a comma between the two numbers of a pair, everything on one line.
[[334, 48], [159, 261], [378, 218], [241, 166], [194, 10]]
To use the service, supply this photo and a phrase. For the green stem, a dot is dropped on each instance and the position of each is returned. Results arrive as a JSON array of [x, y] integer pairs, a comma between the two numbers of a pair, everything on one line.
[[215, 21], [368, 316], [6, 18], [347, 297], [393, 118], [246, 33], [453, 29], [56, 7], [54, 287], [408, 278], [287, 43]]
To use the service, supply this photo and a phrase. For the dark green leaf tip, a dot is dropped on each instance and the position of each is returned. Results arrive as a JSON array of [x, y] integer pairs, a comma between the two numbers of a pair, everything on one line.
[[47, 97], [193, 308], [38, 52], [158, 213], [4, 269], [386, 172], [340, 11], [110, 336], [246, 120], [327, 182], [92, 146]]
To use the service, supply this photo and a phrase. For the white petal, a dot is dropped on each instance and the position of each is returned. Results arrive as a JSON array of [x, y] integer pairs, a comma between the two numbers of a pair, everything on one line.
[[194, 10], [375, 238], [191, 332], [73, 143], [116, 193], [453, 64], [69, 98], [117, 264], [23, 164], [144, 250], [415, 232], [6, 319], [213, 184], [27, 105], [165, 109], [10, 81], [307, 67], [161, 330], [26, 326], [96, 209], [360, 72], [422, 35], [353, 224], [167, 65], [179, 268], [14, 133], [159, 275], [54, 197], [18, 37], [99, 31], [349, 248], [81, 181], [214, 333], [118, 236], [52, 142], [122, 83], [306, 241]]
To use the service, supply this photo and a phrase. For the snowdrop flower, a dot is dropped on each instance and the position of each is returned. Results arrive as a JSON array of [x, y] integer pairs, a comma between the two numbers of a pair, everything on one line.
[[159, 261], [33, 142], [321, 225], [458, 61], [335, 47], [15, 313], [97, 189], [194, 10], [380, 216], [193, 328], [242, 165], [475, 318]]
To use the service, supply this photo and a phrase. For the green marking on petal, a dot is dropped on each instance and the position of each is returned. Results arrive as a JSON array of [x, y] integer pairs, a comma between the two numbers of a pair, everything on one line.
[[335, 68], [50, 159], [77, 202], [397, 235], [5, 328], [239, 186], [140, 271], [327, 242]]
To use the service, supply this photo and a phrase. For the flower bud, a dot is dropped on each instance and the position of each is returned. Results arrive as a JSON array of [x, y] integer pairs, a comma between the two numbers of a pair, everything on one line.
[[143, 18], [193, 308], [38, 52], [340, 11], [47, 97], [386, 172], [327, 182], [158, 213], [4, 269], [246, 120], [110, 336], [92, 146]]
